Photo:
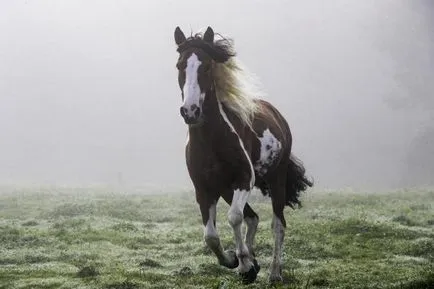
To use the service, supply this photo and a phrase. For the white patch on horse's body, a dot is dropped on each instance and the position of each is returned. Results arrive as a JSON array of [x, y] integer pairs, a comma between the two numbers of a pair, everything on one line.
[[225, 118], [187, 139], [270, 148], [192, 94]]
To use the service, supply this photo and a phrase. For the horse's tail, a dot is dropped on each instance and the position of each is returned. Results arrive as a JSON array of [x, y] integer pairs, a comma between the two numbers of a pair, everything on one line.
[[296, 181]]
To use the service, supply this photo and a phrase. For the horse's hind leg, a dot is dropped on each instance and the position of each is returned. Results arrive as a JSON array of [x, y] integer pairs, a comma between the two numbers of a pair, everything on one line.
[[278, 225], [209, 213]]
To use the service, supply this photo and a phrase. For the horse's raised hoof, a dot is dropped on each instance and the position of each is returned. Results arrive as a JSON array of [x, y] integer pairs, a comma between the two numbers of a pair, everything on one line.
[[249, 276], [231, 261]]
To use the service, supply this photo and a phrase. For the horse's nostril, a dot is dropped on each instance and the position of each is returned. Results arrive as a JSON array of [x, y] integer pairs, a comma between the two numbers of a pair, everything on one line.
[[197, 112], [183, 111]]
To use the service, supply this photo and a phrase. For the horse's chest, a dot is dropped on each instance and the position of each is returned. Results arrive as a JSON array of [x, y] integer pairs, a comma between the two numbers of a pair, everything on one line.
[[202, 162], [269, 151]]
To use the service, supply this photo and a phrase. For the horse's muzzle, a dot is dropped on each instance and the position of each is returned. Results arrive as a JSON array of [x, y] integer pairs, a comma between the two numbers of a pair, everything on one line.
[[191, 115]]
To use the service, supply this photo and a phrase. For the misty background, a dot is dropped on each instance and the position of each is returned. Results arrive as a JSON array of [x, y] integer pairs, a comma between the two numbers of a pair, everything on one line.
[[89, 93]]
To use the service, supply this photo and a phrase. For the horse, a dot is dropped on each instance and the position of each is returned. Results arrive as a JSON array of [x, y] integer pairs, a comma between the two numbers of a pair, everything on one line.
[[236, 141]]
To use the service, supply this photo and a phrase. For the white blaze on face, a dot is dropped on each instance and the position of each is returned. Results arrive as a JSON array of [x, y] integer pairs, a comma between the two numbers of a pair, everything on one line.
[[192, 94]]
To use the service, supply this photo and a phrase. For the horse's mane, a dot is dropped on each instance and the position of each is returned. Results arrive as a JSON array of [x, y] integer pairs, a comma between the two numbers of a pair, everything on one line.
[[236, 88]]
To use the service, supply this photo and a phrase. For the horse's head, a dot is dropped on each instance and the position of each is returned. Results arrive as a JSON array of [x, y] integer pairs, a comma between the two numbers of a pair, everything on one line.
[[197, 56]]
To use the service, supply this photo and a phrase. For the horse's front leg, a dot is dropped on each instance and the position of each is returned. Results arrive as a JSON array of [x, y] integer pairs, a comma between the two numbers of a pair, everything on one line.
[[247, 267], [251, 220], [209, 213]]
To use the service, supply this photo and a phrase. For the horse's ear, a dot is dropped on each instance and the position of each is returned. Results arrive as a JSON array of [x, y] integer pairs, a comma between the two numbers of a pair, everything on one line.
[[179, 36], [209, 35]]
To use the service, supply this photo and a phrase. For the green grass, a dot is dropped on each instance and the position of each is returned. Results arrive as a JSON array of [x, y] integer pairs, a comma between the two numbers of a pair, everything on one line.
[[94, 239]]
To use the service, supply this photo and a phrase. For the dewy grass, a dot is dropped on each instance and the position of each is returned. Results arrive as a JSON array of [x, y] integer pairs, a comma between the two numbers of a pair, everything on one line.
[[91, 239]]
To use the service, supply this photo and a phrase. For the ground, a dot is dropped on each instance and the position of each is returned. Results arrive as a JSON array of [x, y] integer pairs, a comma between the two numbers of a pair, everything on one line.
[[94, 238]]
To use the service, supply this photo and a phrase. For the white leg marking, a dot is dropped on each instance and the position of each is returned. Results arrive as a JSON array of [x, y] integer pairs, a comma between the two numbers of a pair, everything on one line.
[[239, 200], [279, 234], [191, 89], [235, 217], [210, 230], [213, 241]]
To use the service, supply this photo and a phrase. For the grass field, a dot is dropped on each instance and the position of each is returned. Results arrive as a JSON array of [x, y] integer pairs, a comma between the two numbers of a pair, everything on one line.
[[94, 238]]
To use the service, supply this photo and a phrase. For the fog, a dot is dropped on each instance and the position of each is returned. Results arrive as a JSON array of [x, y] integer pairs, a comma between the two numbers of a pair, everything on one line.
[[89, 94]]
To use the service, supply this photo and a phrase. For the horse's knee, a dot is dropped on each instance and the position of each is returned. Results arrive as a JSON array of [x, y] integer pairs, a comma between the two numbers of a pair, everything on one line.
[[235, 217]]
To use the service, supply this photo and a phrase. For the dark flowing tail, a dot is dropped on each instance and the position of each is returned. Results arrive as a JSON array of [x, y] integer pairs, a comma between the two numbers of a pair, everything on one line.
[[296, 182]]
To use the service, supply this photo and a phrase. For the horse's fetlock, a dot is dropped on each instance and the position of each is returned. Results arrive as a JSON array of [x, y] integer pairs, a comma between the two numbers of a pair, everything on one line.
[[243, 253], [212, 240]]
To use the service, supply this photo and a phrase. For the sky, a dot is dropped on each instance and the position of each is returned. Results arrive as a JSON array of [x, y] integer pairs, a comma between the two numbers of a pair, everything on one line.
[[89, 93]]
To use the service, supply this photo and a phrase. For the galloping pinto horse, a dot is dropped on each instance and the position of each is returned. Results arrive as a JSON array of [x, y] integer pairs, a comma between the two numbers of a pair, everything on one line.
[[236, 142]]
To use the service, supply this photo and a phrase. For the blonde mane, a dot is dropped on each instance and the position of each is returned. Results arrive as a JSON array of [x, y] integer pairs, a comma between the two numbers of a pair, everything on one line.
[[236, 88]]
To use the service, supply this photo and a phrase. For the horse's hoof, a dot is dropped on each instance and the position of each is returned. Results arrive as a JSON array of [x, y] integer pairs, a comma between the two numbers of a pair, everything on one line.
[[249, 276], [231, 261]]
